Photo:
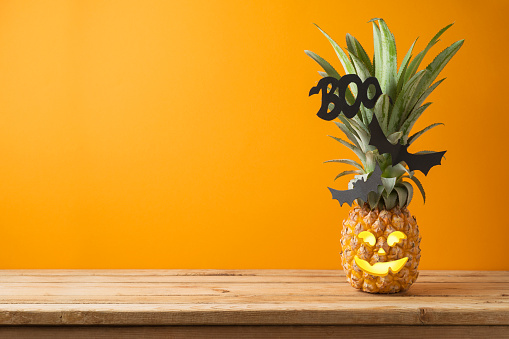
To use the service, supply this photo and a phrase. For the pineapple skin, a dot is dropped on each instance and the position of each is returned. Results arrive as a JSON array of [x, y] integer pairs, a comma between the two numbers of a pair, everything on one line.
[[380, 223]]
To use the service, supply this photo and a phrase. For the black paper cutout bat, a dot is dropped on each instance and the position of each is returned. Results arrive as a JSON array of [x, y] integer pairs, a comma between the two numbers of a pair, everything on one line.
[[420, 162], [360, 188]]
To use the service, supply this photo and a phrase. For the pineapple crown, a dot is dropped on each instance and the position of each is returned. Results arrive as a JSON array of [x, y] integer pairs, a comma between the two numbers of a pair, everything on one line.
[[397, 109]]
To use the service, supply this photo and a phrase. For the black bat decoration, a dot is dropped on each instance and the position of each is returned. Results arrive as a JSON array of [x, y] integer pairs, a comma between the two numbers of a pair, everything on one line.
[[421, 162], [360, 189]]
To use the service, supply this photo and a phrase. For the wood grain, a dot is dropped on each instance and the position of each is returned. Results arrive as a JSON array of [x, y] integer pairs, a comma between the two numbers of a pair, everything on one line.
[[233, 276], [253, 332], [253, 298]]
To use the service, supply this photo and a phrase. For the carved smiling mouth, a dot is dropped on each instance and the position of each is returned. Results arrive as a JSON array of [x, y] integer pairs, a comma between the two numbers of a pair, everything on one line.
[[381, 268]]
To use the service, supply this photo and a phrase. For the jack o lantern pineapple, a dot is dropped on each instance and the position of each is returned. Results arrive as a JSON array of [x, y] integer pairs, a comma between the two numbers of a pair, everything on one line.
[[380, 249], [380, 238]]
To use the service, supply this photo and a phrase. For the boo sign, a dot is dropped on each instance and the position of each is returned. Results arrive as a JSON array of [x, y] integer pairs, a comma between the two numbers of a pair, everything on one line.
[[339, 101]]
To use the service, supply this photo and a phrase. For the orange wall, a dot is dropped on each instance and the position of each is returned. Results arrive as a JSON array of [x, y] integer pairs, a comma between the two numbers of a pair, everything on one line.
[[179, 134]]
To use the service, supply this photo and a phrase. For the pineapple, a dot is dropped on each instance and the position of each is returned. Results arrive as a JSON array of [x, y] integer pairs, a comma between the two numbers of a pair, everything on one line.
[[380, 238], [381, 223]]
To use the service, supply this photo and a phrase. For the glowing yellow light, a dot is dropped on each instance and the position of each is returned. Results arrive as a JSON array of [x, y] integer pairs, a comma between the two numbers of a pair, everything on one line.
[[395, 237], [381, 268], [367, 237], [381, 251]]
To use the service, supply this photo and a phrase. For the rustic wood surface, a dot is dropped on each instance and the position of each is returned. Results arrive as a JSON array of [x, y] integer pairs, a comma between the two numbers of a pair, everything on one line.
[[254, 332], [274, 302]]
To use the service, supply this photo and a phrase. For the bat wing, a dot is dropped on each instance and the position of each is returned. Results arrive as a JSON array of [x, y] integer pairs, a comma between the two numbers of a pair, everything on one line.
[[360, 189], [379, 140], [347, 196], [421, 162]]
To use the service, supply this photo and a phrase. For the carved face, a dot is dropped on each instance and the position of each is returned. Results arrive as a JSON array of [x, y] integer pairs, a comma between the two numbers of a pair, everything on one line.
[[381, 268]]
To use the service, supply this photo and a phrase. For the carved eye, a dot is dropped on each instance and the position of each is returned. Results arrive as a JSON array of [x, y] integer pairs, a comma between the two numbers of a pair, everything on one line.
[[367, 237], [395, 237]]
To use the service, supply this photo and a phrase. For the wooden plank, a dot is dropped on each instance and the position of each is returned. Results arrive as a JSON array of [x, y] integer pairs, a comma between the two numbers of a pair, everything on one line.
[[253, 332], [425, 301], [219, 272], [210, 278], [174, 272], [245, 297], [134, 279], [281, 288], [345, 313]]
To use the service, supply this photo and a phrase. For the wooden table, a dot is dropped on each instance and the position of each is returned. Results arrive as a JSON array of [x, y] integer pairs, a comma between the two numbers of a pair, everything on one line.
[[247, 304]]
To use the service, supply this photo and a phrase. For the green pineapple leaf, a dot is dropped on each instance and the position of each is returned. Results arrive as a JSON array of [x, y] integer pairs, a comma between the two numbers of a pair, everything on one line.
[[414, 65], [440, 61], [355, 149], [366, 115], [394, 137], [361, 135], [419, 185], [349, 125], [361, 69], [423, 97], [370, 161], [352, 136], [403, 68], [359, 126], [373, 199], [363, 72], [343, 58], [324, 64], [381, 110], [348, 134], [395, 171], [398, 111], [388, 184], [355, 47], [348, 162], [412, 118], [421, 132], [433, 69], [377, 57], [389, 61], [347, 173], [413, 95], [402, 195], [410, 191], [390, 201]]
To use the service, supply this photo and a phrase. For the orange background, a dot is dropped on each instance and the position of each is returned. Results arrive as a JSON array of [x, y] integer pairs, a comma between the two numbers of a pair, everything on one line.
[[179, 134]]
